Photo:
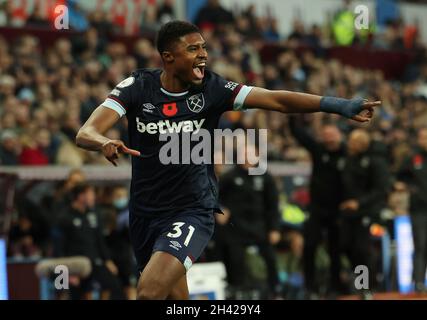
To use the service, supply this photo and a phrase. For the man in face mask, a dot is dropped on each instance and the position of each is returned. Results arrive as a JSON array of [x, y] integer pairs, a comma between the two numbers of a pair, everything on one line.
[[120, 197], [120, 200], [117, 237]]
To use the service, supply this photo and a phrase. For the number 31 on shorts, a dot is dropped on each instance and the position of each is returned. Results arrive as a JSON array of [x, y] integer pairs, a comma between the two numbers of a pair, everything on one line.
[[177, 232]]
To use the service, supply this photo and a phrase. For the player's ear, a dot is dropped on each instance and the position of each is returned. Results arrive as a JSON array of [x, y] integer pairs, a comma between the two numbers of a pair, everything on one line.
[[168, 56]]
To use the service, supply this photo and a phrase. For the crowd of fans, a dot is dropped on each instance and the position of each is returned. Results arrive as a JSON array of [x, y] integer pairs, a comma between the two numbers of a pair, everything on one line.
[[47, 93]]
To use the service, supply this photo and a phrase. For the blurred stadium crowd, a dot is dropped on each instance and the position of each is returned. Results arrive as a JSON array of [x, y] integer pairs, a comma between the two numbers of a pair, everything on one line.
[[48, 92]]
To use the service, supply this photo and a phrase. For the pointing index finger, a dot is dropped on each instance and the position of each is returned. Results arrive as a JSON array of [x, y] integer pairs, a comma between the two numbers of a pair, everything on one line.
[[371, 104], [132, 152]]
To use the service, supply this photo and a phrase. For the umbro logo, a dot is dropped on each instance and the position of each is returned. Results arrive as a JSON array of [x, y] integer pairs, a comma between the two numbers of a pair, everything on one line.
[[175, 244], [148, 107]]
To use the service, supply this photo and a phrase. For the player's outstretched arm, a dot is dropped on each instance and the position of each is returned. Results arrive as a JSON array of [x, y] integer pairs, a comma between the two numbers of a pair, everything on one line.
[[296, 102], [91, 135]]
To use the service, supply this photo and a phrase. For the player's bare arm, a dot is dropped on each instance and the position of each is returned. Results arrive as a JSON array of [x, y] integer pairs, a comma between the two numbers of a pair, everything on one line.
[[296, 102], [91, 135]]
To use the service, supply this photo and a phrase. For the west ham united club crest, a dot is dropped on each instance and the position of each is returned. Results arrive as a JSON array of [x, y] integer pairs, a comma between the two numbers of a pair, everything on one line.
[[196, 102]]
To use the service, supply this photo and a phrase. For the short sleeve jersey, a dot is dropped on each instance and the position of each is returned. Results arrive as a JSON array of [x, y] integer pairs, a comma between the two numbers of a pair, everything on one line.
[[158, 188]]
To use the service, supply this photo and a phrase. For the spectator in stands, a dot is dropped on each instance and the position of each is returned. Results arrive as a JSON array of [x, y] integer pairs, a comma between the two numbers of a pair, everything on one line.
[[251, 16], [37, 19], [8, 121], [9, 148], [343, 25], [82, 235], [391, 38], [413, 173], [77, 17], [298, 31], [35, 149], [145, 53], [5, 13], [215, 15], [7, 86], [314, 39], [89, 45], [270, 29], [100, 20], [166, 12], [90, 69]]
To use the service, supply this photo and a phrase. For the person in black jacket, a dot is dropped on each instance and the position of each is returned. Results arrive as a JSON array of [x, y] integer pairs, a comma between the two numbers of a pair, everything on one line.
[[413, 172], [82, 236], [251, 217], [214, 14], [116, 217], [365, 180], [328, 157]]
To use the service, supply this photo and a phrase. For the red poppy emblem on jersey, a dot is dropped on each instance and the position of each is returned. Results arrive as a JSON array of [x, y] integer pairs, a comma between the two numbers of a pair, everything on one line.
[[170, 109], [418, 161]]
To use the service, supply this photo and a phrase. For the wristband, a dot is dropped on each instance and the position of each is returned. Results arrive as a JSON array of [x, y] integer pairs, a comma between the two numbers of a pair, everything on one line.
[[345, 107]]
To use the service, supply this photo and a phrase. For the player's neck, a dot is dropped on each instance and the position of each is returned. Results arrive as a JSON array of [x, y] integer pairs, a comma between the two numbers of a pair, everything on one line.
[[172, 84]]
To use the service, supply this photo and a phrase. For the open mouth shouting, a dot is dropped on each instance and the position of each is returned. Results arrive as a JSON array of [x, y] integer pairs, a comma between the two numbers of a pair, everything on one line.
[[199, 70]]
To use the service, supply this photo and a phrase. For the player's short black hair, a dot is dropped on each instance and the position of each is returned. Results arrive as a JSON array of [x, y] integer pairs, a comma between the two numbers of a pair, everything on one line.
[[172, 31], [78, 189]]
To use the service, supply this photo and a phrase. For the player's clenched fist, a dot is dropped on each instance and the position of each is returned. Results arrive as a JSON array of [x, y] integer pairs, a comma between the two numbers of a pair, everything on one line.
[[112, 148]]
